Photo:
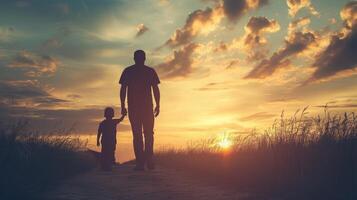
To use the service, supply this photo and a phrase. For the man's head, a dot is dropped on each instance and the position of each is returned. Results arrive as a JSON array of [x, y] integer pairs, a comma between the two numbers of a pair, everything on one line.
[[139, 57], [108, 112]]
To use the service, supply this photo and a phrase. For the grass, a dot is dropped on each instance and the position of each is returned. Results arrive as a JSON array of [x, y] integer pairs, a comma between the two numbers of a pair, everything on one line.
[[298, 157], [30, 163]]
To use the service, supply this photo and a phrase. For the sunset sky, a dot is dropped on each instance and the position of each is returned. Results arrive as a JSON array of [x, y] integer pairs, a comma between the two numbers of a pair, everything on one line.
[[224, 65]]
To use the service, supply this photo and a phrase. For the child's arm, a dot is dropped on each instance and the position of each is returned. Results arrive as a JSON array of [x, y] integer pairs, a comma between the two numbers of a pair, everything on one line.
[[99, 134], [120, 119]]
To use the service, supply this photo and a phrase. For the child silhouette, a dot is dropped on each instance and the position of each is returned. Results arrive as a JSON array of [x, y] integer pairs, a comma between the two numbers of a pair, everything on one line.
[[107, 132]]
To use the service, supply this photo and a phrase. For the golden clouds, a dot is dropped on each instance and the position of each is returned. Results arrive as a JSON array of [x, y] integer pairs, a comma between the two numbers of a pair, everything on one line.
[[206, 21], [180, 64], [295, 44], [35, 65], [234, 9], [199, 21], [298, 23], [254, 39], [141, 29], [339, 58], [296, 5], [349, 14]]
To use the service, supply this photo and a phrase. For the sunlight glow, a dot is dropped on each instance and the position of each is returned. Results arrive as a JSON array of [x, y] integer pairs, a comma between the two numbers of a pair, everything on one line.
[[224, 142]]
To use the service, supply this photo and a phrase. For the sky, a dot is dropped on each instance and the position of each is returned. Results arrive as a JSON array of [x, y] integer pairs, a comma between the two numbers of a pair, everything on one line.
[[226, 66]]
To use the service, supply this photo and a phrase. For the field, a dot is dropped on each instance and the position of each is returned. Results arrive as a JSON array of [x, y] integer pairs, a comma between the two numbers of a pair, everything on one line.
[[30, 163], [298, 157]]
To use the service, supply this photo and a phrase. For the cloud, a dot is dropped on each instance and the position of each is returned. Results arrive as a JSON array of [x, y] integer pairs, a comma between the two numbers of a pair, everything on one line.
[[298, 23], [341, 102], [254, 39], [349, 14], [35, 65], [296, 5], [56, 41], [258, 116], [295, 44], [222, 46], [206, 21], [234, 9], [233, 63], [141, 29], [199, 21], [253, 42], [215, 86], [26, 93], [74, 96], [340, 54], [180, 65], [57, 121]]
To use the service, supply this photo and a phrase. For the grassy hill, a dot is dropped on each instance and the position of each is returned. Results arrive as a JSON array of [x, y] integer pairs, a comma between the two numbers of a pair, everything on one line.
[[30, 163]]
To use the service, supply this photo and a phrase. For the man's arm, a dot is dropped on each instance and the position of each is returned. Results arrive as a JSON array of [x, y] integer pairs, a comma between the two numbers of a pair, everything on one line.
[[122, 99], [156, 91], [98, 135]]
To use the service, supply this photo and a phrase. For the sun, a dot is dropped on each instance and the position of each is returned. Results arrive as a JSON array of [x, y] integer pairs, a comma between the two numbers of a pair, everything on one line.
[[224, 142]]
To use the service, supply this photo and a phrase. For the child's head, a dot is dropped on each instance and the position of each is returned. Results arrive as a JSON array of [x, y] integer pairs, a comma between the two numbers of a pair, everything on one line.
[[109, 112]]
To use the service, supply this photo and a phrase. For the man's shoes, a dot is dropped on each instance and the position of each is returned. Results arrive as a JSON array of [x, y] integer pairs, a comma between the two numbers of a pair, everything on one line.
[[139, 168]]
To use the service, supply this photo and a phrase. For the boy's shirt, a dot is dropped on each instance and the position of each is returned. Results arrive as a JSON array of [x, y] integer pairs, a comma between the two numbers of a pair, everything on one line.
[[108, 128]]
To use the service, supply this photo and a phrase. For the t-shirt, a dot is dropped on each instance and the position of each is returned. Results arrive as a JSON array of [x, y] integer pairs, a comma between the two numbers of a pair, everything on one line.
[[139, 79], [108, 128]]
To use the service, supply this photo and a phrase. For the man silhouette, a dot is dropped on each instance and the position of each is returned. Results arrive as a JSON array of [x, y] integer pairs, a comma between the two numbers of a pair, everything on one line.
[[138, 80]]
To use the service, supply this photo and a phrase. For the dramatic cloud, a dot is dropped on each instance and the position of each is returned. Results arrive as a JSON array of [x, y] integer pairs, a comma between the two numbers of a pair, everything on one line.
[[200, 21], [26, 93], [349, 14], [296, 5], [253, 42], [205, 21], [254, 38], [141, 29], [234, 9], [294, 44], [340, 55], [298, 23], [180, 64], [35, 65]]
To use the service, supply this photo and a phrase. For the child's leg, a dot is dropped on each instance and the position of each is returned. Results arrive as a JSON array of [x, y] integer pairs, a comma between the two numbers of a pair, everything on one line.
[[106, 158]]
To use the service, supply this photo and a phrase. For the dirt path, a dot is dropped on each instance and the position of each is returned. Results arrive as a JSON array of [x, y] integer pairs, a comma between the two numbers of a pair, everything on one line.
[[125, 184]]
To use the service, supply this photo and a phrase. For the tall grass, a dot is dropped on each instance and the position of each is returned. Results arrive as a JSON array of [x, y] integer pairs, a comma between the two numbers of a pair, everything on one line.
[[298, 157], [29, 162]]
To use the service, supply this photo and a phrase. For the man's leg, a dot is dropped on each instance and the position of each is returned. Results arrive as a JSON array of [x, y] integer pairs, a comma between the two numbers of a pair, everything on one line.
[[136, 126], [148, 125], [113, 155]]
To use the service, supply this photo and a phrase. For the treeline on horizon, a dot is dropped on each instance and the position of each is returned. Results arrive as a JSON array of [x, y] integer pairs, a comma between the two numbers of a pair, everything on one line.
[[298, 157]]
